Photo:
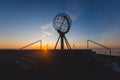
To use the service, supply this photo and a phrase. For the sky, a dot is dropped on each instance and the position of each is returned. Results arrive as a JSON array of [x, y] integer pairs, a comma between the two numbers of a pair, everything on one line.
[[26, 21]]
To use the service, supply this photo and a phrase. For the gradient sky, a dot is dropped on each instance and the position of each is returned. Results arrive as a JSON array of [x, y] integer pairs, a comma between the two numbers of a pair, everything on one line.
[[25, 21]]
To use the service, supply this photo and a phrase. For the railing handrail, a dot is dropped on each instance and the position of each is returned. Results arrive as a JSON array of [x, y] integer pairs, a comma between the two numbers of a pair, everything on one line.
[[97, 44], [32, 44]]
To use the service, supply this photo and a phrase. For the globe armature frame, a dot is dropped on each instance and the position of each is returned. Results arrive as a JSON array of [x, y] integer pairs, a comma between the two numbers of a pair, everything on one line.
[[62, 24]]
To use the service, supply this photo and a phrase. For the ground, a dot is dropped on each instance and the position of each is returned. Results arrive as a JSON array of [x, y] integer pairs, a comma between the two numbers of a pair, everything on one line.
[[60, 67]]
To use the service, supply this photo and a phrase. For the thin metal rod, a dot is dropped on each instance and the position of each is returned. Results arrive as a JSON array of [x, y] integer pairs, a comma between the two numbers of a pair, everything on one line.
[[32, 44], [47, 46], [62, 42], [41, 45], [67, 43], [97, 44], [57, 43], [87, 44]]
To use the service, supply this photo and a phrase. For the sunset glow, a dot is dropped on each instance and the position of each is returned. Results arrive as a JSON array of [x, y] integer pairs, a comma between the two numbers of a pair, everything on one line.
[[23, 22]]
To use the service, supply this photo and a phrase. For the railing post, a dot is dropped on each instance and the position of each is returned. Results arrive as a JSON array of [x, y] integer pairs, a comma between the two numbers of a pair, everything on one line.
[[110, 52], [105, 52], [40, 44], [87, 44], [47, 46]]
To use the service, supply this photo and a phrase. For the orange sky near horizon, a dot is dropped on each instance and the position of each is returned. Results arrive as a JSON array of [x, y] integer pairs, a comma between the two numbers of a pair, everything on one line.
[[51, 46]]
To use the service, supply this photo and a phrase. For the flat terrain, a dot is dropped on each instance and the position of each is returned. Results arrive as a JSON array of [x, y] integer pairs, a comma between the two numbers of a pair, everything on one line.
[[54, 65]]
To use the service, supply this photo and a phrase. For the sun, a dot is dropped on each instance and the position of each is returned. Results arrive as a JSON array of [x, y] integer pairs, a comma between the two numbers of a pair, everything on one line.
[[45, 49]]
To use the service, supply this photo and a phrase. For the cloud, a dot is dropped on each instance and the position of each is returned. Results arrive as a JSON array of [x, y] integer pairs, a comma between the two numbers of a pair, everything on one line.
[[47, 29], [46, 33], [46, 26]]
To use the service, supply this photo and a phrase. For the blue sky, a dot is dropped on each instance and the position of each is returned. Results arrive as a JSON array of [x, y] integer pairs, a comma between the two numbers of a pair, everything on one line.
[[25, 21]]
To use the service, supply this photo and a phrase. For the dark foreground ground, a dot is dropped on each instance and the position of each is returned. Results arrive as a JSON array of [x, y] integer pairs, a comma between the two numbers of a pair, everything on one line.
[[55, 65]]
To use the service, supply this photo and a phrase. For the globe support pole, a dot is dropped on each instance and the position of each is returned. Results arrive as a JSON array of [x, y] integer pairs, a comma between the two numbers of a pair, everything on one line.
[[62, 41]]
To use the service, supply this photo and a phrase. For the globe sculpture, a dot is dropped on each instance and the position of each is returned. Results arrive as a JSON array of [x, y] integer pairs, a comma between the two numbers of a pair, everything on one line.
[[62, 24]]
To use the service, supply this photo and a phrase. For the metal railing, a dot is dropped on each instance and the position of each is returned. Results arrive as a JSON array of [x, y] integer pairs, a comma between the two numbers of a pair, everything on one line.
[[98, 44], [32, 44]]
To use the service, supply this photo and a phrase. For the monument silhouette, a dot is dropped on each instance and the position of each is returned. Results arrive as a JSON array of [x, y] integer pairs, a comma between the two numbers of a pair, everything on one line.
[[62, 24]]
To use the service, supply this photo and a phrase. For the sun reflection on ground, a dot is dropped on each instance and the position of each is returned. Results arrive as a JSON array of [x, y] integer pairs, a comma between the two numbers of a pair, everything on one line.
[[45, 49], [46, 55]]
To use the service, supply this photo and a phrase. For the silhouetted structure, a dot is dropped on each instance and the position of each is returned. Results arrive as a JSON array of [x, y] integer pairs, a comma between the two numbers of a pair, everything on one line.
[[62, 23]]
